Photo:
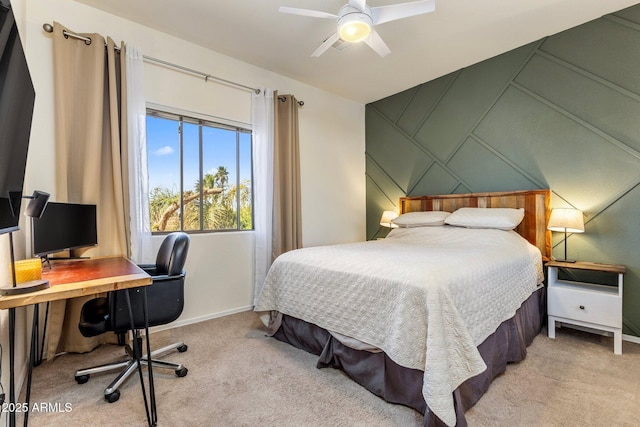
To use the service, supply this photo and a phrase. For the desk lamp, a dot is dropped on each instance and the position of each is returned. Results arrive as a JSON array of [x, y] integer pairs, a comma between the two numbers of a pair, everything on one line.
[[37, 204], [34, 209], [566, 220]]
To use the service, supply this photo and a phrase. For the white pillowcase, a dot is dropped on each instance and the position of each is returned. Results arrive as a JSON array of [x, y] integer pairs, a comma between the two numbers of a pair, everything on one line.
[[500, 218], [421, 219]]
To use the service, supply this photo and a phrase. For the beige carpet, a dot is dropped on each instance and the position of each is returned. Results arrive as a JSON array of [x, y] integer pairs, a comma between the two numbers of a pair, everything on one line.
[[239, 377]]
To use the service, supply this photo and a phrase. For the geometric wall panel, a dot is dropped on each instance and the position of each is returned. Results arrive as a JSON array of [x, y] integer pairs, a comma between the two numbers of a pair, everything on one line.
[[425, 98], [630, 14], [589, 47], [560, 113], [615, 113], [393, 106], [395, 153], [473, 90], [377, 202], [558, 151], [476, 165], [437, 180], [389, 189]]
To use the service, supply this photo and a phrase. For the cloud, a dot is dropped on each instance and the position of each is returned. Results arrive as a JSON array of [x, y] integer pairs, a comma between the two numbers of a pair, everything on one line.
[[164, 151]]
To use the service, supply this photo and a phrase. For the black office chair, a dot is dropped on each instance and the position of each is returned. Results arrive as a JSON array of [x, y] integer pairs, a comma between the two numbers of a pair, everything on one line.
[[165, 300]]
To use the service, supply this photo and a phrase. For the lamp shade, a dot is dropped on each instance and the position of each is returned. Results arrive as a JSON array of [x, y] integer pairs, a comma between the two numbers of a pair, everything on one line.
[[387, 217], [37, 204], [568, 220]]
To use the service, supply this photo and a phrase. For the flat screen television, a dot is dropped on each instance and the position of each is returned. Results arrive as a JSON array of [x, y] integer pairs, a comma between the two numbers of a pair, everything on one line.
[[17, 97], [64, 226]]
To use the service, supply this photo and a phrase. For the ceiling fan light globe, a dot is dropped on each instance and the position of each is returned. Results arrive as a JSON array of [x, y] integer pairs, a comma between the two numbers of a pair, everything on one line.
[[354, 27]]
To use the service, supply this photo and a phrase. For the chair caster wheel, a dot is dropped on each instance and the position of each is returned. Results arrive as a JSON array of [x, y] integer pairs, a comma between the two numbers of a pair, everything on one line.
[[182, 372], [112, 397], [182, 348], [82, 379]]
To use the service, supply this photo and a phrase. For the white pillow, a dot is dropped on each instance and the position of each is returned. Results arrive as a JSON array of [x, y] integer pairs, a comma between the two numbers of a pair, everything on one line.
[[500, 218], [421, 219]]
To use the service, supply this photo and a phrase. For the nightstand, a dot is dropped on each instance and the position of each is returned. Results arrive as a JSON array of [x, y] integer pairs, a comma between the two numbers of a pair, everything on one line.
[[591, 305]]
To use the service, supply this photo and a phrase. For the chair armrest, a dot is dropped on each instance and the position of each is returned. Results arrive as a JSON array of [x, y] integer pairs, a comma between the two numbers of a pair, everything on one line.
[[148, 268], [165, 277], [152, 271]]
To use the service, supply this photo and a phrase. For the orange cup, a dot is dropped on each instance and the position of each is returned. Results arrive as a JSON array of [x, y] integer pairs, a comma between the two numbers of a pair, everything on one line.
[[28, 269]]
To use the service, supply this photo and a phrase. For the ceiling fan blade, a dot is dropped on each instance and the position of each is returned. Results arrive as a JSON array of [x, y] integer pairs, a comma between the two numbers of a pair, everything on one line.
[[382, 14], [307, 12], [326, 45], [358, 4], [376, 43]]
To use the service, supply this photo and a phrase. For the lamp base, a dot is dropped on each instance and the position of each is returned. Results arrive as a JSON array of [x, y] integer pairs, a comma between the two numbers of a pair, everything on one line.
[[565, 260], [25, 288]]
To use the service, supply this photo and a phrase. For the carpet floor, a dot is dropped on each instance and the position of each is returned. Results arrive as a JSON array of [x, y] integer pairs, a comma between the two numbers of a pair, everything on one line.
[[240, 377]]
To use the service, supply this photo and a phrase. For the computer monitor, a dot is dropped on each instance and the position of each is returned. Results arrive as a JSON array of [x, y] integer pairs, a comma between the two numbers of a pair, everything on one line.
[[64, 226]]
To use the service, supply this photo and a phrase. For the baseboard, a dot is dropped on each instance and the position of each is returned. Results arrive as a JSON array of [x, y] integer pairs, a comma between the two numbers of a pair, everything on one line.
[[631, 338], [185, 322]]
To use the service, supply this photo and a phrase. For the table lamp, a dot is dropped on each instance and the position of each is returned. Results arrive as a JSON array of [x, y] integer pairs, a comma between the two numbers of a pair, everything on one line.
[[566, 220], [387, 217]]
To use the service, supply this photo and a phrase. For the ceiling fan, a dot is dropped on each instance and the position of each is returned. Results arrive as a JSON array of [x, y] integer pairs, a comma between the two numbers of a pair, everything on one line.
[[355, 21]]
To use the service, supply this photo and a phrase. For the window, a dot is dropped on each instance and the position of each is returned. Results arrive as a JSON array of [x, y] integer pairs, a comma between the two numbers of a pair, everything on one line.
[[199, 174]]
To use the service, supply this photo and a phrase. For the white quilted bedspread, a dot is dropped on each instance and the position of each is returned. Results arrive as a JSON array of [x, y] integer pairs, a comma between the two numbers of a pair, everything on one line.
[[426, 296]]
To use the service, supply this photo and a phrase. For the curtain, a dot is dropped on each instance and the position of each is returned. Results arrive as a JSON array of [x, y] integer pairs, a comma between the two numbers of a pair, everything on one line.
[[276, 176], [262, 120], [287, 212], [136, 159], [89, 138]]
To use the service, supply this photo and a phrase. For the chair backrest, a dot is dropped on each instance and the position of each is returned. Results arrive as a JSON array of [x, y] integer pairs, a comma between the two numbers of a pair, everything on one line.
[[172, 254], [165, 297]]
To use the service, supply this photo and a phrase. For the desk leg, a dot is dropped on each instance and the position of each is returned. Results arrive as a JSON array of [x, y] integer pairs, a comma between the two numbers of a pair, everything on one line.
[[137, 354], [38, 359], [33, 348], [12, 368], [152, 390], [12, 353]]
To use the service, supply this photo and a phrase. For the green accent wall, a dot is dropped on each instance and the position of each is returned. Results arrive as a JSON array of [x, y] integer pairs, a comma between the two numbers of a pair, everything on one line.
[[560, 113]]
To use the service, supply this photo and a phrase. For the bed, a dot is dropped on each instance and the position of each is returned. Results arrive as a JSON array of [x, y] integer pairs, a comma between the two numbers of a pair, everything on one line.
[[428, 316]]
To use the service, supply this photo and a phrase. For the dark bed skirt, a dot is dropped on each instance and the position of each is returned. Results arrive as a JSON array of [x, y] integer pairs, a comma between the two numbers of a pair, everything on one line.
[[396, 384]]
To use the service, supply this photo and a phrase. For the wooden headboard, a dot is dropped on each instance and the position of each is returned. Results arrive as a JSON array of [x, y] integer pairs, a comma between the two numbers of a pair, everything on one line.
[[536, 204]]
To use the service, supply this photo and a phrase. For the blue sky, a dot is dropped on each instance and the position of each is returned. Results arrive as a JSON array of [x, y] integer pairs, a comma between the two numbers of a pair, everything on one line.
[[219, 149]]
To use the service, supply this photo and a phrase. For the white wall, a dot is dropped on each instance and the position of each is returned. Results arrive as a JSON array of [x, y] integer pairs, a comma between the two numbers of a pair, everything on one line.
[[331, 135]]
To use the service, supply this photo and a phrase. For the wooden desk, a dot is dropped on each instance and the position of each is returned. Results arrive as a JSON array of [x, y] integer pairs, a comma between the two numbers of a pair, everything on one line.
[[75, 278]]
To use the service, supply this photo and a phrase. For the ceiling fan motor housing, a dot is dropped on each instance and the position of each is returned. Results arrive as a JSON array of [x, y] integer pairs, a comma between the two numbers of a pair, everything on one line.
[[354, 25]]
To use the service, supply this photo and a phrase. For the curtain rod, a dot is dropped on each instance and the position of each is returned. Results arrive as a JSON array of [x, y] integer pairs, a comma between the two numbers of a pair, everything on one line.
[[49, 29], [200, 73], [284, 99]]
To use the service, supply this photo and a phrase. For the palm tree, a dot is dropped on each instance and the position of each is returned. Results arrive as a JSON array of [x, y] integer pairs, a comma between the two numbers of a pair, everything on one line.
[[171, 205], [219, 205], [221, 177]]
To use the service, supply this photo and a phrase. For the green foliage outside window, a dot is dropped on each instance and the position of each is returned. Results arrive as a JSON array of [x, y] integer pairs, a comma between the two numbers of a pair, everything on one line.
[[220, 200]]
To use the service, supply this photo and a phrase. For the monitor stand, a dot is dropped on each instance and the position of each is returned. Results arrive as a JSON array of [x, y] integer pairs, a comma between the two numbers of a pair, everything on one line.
[[47, 259]]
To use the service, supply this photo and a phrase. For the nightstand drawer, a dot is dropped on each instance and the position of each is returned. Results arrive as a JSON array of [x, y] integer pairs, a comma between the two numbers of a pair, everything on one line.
[[585, 305]]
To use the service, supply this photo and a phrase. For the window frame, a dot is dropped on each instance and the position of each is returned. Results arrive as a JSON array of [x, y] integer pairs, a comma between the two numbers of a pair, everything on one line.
[[240, 128]]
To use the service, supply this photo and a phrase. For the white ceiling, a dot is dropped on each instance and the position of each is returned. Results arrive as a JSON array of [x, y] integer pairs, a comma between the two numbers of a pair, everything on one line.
[[459, 33]]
